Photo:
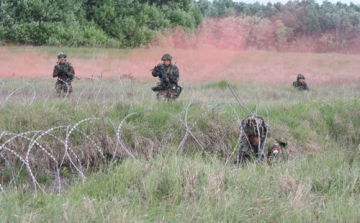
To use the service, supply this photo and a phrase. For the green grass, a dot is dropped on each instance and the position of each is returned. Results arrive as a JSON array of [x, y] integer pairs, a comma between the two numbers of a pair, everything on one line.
[[320, 188], [73, 52], [222, 85], [320, 183]]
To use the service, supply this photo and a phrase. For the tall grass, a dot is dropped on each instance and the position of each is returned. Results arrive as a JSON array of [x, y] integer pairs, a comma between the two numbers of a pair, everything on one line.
[[320, 188], [181, 163]]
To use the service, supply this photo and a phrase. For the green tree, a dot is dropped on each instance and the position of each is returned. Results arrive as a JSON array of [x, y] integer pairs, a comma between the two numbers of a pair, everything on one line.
[[283, 34]]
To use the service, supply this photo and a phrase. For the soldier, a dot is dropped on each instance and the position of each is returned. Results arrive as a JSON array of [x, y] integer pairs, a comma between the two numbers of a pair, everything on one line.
[[300, 84], [64, 73], [168, 74], [256, 143]]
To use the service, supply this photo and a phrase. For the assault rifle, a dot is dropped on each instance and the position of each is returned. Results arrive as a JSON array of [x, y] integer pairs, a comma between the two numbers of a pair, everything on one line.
[[62, 74], [164, 77]]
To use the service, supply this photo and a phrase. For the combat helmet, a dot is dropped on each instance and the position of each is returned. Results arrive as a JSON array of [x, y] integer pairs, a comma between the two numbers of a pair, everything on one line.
[[255, 125], [300, 76], [166, 57], [61, 55]]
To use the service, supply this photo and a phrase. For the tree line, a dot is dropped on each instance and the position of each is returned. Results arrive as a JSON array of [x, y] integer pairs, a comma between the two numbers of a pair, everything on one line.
[[115, 23], [130, 23], [332, 26]]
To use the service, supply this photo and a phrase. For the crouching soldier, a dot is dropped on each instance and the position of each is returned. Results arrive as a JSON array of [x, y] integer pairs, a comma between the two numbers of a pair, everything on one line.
[[300, 83], [168, 74], [65, 74], [256, 143]]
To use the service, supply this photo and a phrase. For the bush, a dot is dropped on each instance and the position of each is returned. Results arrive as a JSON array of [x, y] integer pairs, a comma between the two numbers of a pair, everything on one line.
[[2, 34], [122, 23]]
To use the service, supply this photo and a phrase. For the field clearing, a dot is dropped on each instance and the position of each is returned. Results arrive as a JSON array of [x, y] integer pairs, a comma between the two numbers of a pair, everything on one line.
[[195, 65], [112, 153]]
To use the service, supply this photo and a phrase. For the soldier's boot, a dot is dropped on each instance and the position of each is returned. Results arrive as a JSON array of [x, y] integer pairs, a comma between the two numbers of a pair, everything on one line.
[[158, 87]]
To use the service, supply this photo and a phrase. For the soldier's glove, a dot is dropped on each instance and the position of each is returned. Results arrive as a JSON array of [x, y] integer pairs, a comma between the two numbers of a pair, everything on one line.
[[275, 151]]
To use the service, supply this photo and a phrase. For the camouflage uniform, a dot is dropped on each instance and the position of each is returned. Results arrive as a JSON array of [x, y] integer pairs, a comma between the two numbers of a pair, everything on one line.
[[300, 86], [268, 149], [271, 149], [168, 76], [65, 74]]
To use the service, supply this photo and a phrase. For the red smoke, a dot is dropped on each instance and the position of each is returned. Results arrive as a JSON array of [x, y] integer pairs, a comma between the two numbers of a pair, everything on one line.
[[218, 50]]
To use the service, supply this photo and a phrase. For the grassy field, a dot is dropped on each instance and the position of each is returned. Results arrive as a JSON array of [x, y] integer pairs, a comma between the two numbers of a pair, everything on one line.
[[112, 153]]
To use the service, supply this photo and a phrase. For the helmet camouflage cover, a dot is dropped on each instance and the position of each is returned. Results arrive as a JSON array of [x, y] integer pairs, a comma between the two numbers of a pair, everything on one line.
[[300, 76], [61, 55], [166, 57], [255, 125]]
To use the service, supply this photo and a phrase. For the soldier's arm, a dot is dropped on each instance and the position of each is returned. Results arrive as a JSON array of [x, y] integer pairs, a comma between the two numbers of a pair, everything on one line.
[[71, 71], [306, 87], [244, 153], [175, 77], [55, 72], [156, 72]]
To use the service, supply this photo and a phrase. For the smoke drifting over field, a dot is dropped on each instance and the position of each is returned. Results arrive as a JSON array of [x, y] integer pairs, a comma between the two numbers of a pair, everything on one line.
[[215, 52], [196, 65]]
